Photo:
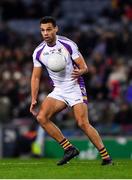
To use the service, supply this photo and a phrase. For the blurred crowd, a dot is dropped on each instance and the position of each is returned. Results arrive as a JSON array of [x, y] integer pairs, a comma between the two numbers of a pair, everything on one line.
[[104, 37]]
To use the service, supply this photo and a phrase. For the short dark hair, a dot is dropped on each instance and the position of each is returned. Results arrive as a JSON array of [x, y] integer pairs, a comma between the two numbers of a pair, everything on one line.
[[48, 19]]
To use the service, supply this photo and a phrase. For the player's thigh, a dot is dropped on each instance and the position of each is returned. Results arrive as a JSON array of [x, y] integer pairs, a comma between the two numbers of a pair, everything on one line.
[[80, 112], [51, 106]]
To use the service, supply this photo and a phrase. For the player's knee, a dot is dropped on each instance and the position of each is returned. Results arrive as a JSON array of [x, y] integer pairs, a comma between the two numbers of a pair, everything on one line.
[[41, 119], [83, 123]]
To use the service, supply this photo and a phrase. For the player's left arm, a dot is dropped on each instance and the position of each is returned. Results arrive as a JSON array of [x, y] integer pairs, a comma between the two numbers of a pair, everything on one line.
[[80, 68]]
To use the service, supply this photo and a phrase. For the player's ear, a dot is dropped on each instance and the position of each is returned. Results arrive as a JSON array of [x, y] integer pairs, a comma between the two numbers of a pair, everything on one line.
[[56, 28]]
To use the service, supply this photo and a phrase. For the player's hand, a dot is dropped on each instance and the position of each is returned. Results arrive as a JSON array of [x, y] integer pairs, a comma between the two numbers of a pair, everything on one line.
[[32, 107], [76, 73]]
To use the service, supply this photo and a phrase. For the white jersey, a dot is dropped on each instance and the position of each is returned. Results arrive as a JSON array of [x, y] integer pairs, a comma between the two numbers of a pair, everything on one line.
[[70, 51]]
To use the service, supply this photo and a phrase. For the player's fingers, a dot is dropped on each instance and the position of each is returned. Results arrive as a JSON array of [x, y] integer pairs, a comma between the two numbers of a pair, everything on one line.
[[34, 113], [32, 109], [75, 73], [76, 70], [74, 76]]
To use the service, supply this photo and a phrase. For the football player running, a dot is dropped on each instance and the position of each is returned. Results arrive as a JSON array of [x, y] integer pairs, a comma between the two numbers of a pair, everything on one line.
[[69, 90]]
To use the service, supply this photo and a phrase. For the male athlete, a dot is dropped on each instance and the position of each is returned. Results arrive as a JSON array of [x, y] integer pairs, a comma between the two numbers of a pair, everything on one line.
[[69, 90]]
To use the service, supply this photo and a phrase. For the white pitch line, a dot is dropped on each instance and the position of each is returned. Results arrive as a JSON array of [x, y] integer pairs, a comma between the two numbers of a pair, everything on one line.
[[39, 163], [21, 163]]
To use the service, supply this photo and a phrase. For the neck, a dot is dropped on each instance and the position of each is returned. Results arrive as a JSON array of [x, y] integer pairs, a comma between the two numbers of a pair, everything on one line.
[[53, 43]]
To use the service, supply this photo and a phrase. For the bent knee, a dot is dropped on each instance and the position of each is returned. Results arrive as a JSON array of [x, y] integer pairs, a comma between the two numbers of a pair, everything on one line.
[[41, 119], [83, 123]]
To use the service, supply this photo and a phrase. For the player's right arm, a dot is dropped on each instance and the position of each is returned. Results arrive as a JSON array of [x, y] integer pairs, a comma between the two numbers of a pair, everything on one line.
[[35, 81]]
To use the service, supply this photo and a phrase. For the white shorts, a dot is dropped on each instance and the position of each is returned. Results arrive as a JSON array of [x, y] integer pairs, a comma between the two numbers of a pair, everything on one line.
[[71, 96]]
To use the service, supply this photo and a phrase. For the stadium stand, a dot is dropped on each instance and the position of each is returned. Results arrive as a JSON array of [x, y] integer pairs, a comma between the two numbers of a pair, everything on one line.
[[103, 32]]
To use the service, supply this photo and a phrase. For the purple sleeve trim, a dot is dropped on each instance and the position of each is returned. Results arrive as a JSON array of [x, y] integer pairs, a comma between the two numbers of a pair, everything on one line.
[[39, 53], [67, 46]]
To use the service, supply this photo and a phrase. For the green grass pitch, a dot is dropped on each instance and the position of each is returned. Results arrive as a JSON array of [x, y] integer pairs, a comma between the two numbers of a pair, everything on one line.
[[77, 169]]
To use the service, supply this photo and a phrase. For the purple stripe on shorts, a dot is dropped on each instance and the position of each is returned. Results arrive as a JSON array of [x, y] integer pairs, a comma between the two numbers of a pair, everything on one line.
[[85, 101], [82, 85], [67, 46], [83, 89], [81, 81]]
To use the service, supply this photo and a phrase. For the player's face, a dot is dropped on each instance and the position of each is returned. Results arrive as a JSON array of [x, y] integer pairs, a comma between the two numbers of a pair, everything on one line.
[[48, 32]]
